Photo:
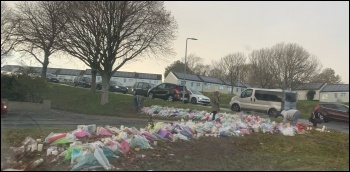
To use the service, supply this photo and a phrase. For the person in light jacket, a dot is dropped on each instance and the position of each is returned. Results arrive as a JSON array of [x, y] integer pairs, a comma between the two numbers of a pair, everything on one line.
[[291, 115], [215, 103]]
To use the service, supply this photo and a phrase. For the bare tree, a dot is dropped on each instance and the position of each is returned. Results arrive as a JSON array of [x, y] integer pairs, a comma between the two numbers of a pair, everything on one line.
[[216, 70], [8, 24], [292, 65], [196, 66], [115, 32], [41, 24], [244, 73], [328, 76], [232, 65], [260, 61], [176, 66]]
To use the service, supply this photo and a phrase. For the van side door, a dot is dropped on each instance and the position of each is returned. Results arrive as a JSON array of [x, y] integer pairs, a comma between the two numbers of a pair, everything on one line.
[[245, 99], [260, 100]]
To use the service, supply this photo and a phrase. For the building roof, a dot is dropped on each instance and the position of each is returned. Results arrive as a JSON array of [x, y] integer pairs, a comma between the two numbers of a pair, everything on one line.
[[310, 86], [191, 77], [124, 74], [131, 75], [149, 76], [209, 79], [336, 88], [72, 72], [237, 84]]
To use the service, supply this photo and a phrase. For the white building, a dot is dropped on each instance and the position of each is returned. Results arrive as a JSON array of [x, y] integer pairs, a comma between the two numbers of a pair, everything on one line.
[[335, 93], [304, 88], [192, 81], [129, 78], [203, 83]]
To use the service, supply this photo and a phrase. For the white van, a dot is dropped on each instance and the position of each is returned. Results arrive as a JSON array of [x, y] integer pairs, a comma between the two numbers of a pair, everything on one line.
[[271, 101]]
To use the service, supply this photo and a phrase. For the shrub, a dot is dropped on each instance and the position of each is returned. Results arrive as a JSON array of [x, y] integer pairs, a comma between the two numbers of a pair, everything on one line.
[[23, 88], [310, 95]]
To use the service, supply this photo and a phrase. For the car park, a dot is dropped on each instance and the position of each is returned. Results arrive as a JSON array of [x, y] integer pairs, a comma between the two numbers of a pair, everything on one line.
[[142, 88], [169, 92], [197, 97], [82, 81], [114, 86], [333, 111]]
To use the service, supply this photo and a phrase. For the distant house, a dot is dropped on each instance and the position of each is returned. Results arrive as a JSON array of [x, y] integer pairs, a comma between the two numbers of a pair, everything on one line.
[[304, 88], [68, 75], [335, 93], [212, 84], [237, 88], [201, 83], [129, 78], [192, 81]]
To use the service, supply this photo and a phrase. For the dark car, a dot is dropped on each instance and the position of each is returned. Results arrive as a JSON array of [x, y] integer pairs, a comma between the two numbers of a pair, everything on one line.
[[142, 88], [3, 108], [333, 111], [114, 86], [82, 81], [168, 91], [51, 78]]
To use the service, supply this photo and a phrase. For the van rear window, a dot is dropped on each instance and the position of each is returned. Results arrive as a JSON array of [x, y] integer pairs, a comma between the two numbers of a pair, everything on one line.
[[290, 97]]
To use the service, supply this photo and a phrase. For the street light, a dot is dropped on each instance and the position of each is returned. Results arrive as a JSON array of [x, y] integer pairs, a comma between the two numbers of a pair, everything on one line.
[[183, 93]]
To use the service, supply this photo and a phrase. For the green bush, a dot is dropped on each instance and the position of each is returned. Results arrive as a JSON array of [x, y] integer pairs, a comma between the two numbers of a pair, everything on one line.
[[23, 88], [310, 95]]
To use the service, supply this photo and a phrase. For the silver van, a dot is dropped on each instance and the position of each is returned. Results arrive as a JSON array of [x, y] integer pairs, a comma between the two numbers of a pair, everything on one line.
[[271, 101]]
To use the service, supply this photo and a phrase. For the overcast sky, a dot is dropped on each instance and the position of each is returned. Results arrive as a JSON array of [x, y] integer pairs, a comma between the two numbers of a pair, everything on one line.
[[222, 28]]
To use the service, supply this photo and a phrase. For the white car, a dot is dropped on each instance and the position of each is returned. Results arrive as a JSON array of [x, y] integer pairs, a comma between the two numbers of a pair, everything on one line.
[[197, 97]]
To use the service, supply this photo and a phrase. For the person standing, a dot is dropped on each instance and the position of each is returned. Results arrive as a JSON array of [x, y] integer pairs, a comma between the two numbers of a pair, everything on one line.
[[291, 115], [215, 103]]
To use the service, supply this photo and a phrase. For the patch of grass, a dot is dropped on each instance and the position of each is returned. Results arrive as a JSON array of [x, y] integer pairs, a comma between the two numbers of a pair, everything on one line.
[[224, 98], [306, 107], [83, 101], [79, 100]]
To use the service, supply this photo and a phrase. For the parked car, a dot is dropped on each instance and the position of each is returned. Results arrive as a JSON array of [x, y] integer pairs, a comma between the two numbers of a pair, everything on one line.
[[3, 108], [82, 81], [271, 101], [142, 88], [333, 111], [168, 91], [197, 97], [51, 77], [114, 86], [4, 72]]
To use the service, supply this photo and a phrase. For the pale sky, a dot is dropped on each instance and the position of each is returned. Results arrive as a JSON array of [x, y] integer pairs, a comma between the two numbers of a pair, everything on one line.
[[226, 27]]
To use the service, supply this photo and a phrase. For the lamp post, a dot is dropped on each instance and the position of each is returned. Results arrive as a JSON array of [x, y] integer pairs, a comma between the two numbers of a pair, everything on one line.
[[183, 93]]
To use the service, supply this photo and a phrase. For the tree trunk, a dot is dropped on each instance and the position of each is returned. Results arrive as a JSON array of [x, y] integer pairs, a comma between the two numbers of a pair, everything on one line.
[[93, 80], [45, 64], [105, 86]]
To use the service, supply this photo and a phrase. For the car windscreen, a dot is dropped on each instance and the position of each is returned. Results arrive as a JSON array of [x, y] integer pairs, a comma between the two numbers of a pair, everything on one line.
[[115, 83], [87, 79]]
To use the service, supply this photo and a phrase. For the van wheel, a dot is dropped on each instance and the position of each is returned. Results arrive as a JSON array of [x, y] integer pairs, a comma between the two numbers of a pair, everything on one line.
[[235, 107], [194, 100], [273, 113]]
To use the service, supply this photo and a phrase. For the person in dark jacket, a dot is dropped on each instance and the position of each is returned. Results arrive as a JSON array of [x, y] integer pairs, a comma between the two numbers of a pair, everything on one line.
[[315, 118], [215, 103]]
